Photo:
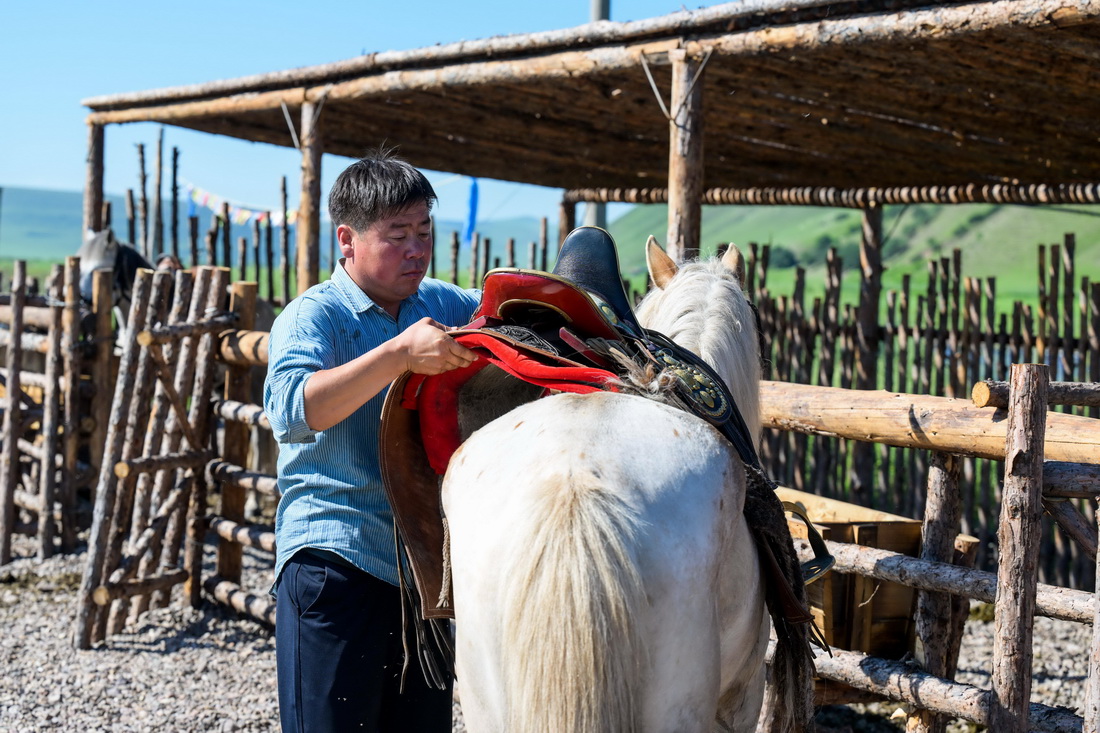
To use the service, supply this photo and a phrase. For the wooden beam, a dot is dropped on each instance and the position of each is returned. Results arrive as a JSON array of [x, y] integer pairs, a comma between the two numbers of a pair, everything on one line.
[[991, 393], [685, 157], [1051, 600], [899, 681], [915, 421]]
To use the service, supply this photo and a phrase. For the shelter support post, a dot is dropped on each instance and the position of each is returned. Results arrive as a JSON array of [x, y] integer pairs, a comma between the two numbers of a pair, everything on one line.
[[685, 156], [93, 180], [567, 219], [309, 211], [1018, 537]]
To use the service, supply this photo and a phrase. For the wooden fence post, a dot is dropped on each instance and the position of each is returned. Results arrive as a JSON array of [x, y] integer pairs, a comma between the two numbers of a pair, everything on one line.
[[1018, 537], [868, 338], [1092, 682], [237, 383], [71, 397], [51, 403], [9, 464], [934, 610]]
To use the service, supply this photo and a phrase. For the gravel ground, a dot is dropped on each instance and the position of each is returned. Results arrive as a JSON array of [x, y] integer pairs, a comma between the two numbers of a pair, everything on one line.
[[209, 670]]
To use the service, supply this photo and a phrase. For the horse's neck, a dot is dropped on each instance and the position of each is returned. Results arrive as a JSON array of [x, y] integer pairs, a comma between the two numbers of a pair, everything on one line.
[[724, 337]]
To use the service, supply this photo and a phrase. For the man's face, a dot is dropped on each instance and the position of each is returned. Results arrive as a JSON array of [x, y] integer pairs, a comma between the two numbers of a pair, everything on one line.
[[389, 259]]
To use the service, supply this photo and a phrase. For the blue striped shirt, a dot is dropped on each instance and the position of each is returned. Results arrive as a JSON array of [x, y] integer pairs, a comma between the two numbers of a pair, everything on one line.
[[331, 481]]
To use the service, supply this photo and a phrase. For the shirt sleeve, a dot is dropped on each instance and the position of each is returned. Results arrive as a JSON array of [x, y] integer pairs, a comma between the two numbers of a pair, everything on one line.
[[301, 344]]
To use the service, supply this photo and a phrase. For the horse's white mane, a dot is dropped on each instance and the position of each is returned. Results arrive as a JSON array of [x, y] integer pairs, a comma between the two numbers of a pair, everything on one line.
[[704, 309]]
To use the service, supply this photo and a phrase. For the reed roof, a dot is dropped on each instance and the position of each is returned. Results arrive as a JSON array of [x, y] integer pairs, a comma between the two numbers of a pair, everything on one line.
[[796, 93]]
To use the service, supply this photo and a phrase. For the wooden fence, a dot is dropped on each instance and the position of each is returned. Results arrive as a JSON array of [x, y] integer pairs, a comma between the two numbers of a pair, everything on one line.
[[938, 341], [55, 380]]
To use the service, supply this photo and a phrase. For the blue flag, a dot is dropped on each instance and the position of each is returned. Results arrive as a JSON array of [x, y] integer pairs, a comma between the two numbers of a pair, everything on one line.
[[471, 214]]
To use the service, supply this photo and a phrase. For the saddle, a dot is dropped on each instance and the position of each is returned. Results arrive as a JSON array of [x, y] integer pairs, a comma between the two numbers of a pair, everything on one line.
[[572, 330]]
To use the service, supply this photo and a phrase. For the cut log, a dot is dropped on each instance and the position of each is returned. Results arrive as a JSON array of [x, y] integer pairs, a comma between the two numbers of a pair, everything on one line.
[[916, 421]]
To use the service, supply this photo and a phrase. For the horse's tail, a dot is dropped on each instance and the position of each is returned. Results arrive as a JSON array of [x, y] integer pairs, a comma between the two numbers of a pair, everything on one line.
[[572, 650]]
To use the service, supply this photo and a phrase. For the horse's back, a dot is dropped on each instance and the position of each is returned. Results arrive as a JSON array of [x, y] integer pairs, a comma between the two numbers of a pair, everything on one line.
[[598, 522]]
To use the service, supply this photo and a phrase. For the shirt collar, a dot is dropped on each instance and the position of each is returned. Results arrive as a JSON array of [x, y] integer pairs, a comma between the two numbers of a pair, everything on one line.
[[356, 298]]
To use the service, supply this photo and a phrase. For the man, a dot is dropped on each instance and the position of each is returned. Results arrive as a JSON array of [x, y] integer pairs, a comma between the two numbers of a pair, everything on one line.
[[333, 352]]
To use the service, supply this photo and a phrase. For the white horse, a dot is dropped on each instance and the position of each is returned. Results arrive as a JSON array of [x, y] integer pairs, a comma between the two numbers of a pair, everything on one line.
[[605, 579]]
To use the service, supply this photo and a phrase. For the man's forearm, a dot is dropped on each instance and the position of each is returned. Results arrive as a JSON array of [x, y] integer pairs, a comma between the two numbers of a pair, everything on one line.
[[331, 395]]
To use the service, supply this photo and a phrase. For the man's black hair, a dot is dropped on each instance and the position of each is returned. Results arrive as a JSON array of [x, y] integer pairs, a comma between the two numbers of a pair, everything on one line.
[[376, 187]]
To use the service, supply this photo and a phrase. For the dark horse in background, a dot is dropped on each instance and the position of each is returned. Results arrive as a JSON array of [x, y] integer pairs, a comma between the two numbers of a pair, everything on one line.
[[101, 250]]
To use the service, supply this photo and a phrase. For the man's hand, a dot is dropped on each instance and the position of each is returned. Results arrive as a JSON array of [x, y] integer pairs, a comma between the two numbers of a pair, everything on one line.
[[427, 349]]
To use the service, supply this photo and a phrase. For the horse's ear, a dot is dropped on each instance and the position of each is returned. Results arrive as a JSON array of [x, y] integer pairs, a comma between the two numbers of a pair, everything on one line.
[[735, 261], [661, 267]]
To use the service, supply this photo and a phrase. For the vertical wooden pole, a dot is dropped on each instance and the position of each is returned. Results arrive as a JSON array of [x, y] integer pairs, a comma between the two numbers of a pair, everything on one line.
[[176, 203], [71, 397], [193, 238], [13, 418], [284, 248], [255, 250], [143, 204], [934, 610], [227, 232], [93, 181], [237, 385], [1092, 682], [156, 239], [102, 378], [544, 244], [51, 406], [685, 157], [1018, 538], [212, 242], [309, 206], [454, 257], [486, 247], [868, 339], [475, 254], [567, 220], [510, 252], [242, 258], [131, 219], [269, 257], [70, 382]]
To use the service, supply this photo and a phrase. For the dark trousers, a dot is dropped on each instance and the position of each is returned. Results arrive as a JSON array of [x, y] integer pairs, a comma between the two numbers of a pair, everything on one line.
[[339, 654]]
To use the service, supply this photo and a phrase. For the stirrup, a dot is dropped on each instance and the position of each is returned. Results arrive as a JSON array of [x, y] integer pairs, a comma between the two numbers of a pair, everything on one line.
[[823, 561]]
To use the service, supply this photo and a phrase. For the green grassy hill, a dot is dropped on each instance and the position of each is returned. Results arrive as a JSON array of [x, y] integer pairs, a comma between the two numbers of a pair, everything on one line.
[[996, 241]]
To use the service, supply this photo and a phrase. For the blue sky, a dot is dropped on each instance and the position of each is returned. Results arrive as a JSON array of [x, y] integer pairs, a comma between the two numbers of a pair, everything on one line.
[[54, 54]]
